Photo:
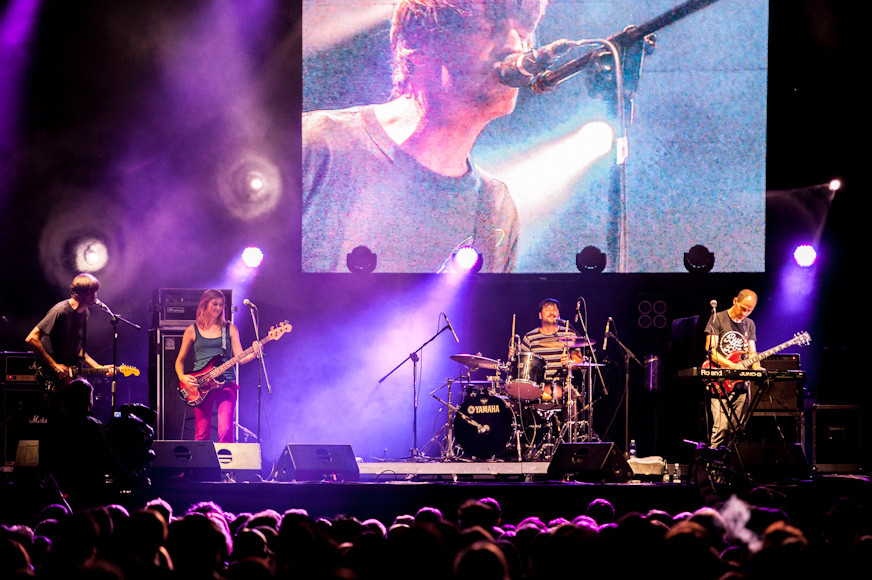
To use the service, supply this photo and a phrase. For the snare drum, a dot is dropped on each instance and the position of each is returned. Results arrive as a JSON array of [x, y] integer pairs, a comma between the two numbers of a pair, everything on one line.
[[526, 374], [483, 425]]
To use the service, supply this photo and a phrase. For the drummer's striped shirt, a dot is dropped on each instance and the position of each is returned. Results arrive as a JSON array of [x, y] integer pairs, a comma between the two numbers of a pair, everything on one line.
[[533, 342]]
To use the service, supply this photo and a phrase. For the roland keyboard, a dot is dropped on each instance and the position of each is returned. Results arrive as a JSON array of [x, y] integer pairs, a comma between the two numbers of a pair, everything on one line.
[[741, 374]]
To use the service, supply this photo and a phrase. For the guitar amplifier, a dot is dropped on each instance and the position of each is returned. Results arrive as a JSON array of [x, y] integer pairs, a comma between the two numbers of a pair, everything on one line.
[[18, 368], [177, 307], [781, 395]]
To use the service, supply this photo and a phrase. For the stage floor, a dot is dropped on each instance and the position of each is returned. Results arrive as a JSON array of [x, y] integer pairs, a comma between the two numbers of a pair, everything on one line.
[[389, 489]]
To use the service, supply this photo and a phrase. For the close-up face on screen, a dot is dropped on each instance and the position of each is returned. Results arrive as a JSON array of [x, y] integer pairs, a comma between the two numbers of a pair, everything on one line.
[[414, 146]]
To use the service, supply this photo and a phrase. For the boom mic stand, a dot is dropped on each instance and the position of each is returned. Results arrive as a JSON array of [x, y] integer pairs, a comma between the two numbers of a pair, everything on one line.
[[414, 357], [261, 371], [115, 320], [627, 50]]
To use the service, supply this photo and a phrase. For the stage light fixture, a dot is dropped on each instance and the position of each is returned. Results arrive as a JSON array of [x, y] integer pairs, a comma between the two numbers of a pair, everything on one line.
[[590, 259], [805, 255], [699, 259], [467, 259], [252, 256], [361, 260]]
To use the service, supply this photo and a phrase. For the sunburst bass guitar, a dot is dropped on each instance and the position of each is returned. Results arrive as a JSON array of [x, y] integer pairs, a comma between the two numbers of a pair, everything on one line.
[[207, 376]]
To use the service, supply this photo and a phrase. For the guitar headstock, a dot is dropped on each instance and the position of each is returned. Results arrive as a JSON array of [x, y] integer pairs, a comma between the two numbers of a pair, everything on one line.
[[802, 338], [275, 332], [127, 370]]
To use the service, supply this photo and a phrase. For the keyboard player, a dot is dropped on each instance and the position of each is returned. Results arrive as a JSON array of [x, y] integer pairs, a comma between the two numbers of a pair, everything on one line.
[[731, 336]]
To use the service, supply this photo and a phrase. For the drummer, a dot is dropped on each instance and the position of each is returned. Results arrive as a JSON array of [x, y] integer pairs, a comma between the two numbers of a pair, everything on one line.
[[554, 341]]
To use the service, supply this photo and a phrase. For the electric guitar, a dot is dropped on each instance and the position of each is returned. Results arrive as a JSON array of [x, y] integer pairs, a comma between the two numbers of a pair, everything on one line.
[[207, 376], [724, 387], [53, 381]]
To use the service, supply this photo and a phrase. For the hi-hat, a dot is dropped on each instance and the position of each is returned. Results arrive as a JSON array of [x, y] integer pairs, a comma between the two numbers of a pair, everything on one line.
[[476, 361]]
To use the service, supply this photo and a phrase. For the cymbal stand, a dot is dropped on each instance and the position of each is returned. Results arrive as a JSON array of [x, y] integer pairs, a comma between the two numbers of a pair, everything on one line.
[[447, 446], [589, 387]]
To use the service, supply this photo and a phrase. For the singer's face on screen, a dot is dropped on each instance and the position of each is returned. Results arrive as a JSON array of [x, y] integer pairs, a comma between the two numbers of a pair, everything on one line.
[[468, 74]]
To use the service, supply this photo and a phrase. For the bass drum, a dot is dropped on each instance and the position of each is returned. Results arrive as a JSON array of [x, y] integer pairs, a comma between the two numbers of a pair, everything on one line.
[[483, 425]]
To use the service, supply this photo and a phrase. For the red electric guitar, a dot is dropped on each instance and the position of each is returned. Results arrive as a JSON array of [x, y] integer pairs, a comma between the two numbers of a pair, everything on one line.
[[206, 376], [724, 387]]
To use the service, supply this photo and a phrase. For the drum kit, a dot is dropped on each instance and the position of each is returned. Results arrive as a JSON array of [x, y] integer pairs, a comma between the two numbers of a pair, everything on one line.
[[514, 415]]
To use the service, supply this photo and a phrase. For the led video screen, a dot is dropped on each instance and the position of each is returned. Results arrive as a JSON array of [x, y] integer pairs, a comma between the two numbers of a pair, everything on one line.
[[668, 154]]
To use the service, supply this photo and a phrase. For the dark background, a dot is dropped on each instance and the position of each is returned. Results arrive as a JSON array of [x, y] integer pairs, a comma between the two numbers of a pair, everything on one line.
[[130, 114]]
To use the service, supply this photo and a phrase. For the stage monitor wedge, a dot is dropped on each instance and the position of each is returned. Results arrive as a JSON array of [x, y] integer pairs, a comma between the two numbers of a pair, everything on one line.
[[589, 462], [307, 462], [185, 461]]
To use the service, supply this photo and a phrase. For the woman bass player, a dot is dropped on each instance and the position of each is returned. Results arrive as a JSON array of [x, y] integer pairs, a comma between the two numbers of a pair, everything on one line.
[[211, 336]]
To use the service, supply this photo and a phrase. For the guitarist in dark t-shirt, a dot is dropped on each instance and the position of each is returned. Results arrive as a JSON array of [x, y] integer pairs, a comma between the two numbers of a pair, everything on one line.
[[730, 337], [59, 338]]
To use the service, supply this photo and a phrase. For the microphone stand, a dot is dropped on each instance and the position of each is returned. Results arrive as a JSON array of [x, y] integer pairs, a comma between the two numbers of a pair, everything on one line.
[[115, 320], [628, 355], [261, 370], [630, 46], [413, 356]]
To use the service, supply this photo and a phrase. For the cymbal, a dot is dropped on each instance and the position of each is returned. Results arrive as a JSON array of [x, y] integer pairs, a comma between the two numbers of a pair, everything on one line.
[[476, 361]]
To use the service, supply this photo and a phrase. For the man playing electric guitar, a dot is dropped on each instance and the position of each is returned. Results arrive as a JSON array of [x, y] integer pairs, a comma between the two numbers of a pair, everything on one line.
[[730, 337], [59, 338], [212, 336]]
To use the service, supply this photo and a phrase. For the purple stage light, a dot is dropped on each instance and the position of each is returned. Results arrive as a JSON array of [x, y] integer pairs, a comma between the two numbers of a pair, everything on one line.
[[466, 258], [252, 256], [805, 255]]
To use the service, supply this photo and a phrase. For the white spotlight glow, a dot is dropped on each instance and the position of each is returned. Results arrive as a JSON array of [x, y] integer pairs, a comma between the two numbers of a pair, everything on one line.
[[90, 255], [805, 255], [835, 185], [252, 257], [466, 258]]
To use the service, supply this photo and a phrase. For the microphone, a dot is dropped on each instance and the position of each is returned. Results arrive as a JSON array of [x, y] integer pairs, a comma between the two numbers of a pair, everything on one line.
[[606, 334], [561, 322], [713, 304], [451, 328], [519, 68], [102, 305], [249, 303]]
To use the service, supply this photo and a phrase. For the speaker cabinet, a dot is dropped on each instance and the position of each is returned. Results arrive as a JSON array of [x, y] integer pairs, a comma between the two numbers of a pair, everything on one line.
[[837, 446], [770, 462], [185, 460], [305, 462], [241, 460], [24, 416], [590, 462]]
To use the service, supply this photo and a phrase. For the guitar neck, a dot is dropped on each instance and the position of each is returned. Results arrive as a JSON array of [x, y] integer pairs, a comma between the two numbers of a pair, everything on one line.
[[92, 370], [765, 354], [227, 364]]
